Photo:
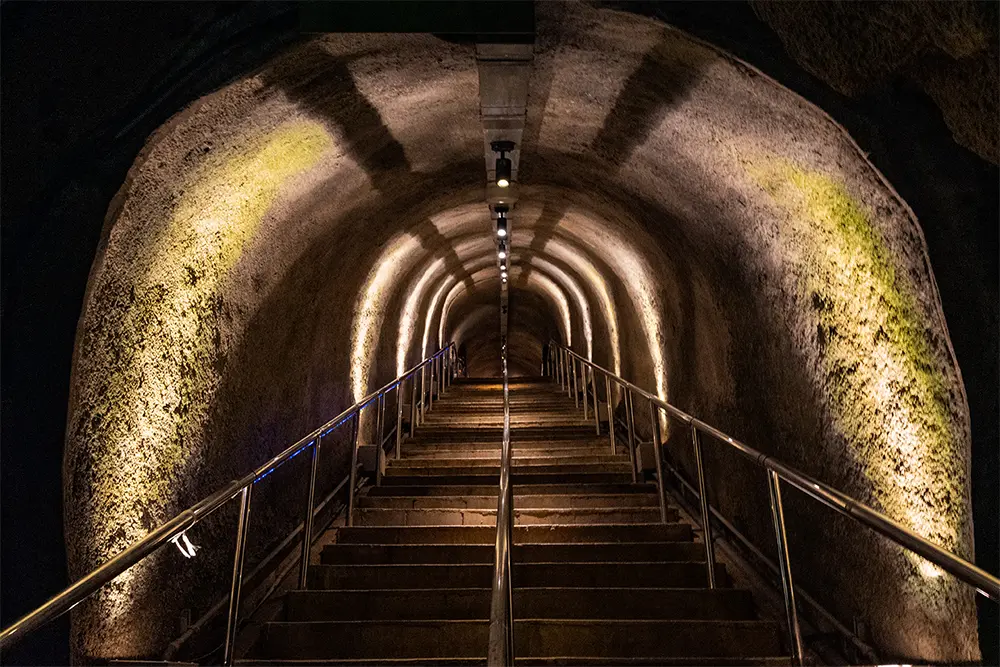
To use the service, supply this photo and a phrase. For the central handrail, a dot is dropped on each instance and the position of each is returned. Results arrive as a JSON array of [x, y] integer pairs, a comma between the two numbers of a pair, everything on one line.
[[442, 364], [562, 365], [501, 646]]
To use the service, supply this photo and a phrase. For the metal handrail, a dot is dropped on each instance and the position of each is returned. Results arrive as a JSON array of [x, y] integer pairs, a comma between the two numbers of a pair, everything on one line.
[[441, 362], [501, 643], [983, 582]]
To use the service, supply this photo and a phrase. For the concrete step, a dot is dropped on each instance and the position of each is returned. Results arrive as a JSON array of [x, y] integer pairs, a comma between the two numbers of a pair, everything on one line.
[[575, 534], [551, 602], [417, 446], [404, 468], [454, 433], [679, 574], [531, 458], [395, 554], [519, 490], [519, 476], [372, 516], [575, 661], [564, 638], [521, 456], [465, 501]]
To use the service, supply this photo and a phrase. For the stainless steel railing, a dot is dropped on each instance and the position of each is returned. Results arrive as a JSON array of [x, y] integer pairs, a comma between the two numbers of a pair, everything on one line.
[[435, 374], [501, 644], [562, 365]]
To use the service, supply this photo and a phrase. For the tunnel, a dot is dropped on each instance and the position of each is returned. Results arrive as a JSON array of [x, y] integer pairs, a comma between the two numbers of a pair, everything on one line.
[[303, 234]]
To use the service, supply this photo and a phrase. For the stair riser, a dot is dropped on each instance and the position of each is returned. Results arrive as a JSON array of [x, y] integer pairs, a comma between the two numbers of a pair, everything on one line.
[[621, 501], [587, 575], [519, 491], [485, 517], [453, 434], [522, 534], [551, 603], [429, 640], [492, 459], [417, 446], [563, 453], [403, 468], [372, 554], [517, 478]]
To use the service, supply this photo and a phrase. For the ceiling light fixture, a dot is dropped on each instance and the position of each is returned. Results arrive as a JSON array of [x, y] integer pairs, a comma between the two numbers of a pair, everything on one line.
[[503, 164], [501, 221], [502, 252]]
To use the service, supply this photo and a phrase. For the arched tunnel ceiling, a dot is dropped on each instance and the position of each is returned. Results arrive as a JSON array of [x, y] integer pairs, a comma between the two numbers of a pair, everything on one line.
[[300, 236]]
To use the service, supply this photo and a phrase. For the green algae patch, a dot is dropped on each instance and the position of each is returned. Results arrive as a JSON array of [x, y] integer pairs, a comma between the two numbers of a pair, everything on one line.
[[152, 356], [881, 367]]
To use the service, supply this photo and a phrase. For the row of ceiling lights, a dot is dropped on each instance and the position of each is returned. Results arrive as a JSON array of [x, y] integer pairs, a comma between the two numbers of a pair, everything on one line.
[[503, 171]]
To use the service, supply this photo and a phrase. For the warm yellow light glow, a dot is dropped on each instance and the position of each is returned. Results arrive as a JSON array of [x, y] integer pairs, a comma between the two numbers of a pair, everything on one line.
[[892, 404], [502, 182], [160, 384], [368, 312], [431, 313], [546, 284], [636, 275], [408, 319], [582, 305]]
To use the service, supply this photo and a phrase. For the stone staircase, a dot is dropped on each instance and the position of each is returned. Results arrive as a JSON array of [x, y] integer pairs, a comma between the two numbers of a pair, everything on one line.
[[598, 580]]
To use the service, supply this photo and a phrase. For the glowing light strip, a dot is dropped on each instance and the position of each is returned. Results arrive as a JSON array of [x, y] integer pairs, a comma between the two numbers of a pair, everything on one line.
[[431, 311], [407, 321], [547, 285], [574, 289], [586, 268], [368, 314]]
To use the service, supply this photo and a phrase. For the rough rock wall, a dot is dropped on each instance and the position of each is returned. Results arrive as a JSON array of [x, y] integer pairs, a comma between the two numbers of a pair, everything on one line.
[[951, 49], [290, 242]]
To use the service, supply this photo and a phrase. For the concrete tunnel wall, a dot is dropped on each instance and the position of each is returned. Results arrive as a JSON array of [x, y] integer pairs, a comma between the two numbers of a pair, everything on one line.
[[293, 240]]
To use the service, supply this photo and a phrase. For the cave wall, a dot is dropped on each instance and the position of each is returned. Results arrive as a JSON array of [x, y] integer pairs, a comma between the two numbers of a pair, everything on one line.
[[683, 193]]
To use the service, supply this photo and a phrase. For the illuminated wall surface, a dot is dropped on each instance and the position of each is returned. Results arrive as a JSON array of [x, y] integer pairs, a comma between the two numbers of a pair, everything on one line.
[[297, 238]]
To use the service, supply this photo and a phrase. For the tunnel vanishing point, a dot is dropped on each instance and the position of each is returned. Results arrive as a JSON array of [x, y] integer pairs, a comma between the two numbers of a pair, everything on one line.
[[304, 234]]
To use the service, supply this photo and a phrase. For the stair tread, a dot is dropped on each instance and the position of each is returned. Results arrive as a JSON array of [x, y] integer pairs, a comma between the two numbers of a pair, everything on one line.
[[597, 578]]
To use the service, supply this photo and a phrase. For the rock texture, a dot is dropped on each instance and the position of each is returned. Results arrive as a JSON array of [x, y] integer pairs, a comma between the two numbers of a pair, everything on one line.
[[290, 241], [951, 49]]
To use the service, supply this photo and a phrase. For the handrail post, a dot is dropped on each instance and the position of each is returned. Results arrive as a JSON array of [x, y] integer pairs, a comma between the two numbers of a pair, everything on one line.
[[439, 364], [569, 378], [354, 467], [308, 523], [611, 415], [583, 374], [237, 580], [630, 422], [597, 402], [399, 419], [413, 403], [576, 384], [430, 387], [559, 374], [706, 516], [420, 402], [654, 423], [778, 517], [379, 434]]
